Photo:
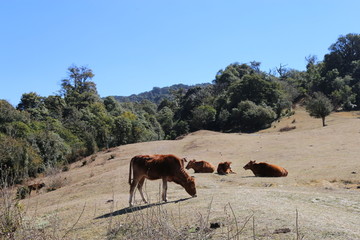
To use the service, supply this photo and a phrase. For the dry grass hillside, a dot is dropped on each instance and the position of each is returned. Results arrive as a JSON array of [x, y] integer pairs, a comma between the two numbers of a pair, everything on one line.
[[323, 185]]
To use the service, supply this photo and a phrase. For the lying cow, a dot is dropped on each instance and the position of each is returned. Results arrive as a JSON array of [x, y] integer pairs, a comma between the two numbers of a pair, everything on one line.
[[224, 168], [263, 169], [200, 166], [167, 167]]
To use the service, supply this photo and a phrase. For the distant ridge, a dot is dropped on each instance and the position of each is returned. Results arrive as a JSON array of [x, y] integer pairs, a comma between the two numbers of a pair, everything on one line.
[[157, 94]]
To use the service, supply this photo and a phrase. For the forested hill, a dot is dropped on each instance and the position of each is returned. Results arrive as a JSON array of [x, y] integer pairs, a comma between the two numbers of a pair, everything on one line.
[[157, 94], [43, 132]]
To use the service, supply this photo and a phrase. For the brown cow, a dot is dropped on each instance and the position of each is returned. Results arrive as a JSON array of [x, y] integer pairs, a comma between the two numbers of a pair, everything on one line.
[[224, 168], [200, 166], [35, 187], [167, 167], [263, 169]]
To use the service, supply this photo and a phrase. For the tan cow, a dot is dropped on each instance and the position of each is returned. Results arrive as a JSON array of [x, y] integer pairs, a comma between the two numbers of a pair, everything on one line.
[[200, 166], [263, 169], [169, 168], [224, 168]]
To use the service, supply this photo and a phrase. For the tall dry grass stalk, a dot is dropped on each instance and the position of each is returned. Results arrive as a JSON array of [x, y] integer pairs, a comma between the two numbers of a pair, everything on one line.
[[16, 223], [154, 221]]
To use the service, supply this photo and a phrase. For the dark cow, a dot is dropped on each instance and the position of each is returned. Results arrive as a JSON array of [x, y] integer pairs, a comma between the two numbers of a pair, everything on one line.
[[169, 168], [35, 187], [224, 168], [200, 166], [263, 169]]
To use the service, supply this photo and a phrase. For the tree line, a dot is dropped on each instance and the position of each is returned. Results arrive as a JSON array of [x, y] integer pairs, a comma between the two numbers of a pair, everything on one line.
[[46, 132]]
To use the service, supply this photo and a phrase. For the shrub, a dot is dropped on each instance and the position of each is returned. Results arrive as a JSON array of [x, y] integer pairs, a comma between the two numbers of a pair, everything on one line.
[[22, 192], [287, 128], [251, 117]]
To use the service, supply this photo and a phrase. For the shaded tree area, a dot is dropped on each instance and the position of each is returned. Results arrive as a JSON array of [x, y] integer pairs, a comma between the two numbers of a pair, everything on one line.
[[44, 132], [338, 75]]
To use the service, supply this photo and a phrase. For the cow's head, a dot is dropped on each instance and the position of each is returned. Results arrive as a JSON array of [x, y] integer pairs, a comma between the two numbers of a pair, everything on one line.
[[190, 187], [190, 164], [249, 165]]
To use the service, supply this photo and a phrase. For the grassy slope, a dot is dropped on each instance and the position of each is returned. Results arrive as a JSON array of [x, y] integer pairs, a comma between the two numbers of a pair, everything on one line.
[[321, 183]]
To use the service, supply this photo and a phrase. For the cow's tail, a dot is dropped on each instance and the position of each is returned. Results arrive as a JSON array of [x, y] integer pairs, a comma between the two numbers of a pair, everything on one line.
[[130, 170]]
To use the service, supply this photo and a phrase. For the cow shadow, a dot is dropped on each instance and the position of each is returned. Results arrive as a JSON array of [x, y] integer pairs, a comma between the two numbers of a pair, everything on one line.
[[138, 208]]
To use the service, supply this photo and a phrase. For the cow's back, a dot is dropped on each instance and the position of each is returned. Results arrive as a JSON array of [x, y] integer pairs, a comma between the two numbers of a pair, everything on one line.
[[156, 166], [203, 167], [271, 170]]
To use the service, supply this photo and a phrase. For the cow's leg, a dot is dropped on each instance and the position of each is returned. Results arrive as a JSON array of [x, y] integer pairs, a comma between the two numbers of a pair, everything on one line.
[[139, 186], [164, 198], [132, 189]]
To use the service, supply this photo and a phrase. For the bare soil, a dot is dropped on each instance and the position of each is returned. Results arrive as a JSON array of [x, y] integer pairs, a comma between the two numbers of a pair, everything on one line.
[[322, 185]]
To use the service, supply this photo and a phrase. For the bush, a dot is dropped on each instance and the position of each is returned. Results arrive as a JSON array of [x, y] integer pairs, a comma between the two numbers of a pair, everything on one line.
[[319, 106], [22, 192], [251, 117], [287, 128]]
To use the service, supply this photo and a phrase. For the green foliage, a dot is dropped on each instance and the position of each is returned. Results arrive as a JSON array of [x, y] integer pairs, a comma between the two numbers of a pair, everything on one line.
[[17, 159], [122, 130], [34, 105], [319, 106], [157, 95], [9, 114], [49, 131], [180, 128], [343, 53], [165, 117], [203, 117], [255, 89], [248, 116], [22, 192], [112, 106]]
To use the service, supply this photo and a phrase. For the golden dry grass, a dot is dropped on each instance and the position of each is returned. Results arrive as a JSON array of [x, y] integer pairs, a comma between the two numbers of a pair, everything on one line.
[[323, 181]]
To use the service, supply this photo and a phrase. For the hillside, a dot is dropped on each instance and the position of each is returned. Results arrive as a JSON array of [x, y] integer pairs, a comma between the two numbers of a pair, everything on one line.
[[156, 94], [322, 185]]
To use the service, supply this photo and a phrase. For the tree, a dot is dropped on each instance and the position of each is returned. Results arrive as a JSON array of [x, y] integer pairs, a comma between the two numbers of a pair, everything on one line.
[[165, 118], [254, 88], [343, 53], [251, 117], [319, 106], [33, 104], [78, 89], [203, 117]]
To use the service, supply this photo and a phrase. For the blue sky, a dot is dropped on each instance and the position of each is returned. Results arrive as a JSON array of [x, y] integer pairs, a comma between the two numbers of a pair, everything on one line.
[[133, 46]]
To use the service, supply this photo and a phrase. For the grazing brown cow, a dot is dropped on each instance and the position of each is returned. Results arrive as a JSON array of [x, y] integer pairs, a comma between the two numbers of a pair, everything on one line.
[[167, 167], [263, 169], [200, 166], [224, 168], [35, 187]]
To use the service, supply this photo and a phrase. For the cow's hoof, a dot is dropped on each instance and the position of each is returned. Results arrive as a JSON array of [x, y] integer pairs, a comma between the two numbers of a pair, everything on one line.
[[194, 195]]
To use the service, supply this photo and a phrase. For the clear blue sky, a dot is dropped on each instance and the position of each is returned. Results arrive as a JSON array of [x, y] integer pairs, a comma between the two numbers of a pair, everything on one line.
[[133, 46]]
